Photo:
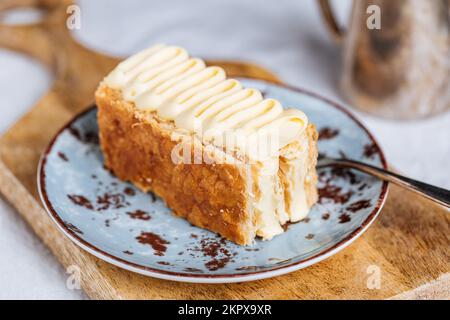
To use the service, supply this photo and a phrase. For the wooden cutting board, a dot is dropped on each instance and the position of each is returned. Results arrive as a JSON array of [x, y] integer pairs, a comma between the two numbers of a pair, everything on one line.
[[409, 243]]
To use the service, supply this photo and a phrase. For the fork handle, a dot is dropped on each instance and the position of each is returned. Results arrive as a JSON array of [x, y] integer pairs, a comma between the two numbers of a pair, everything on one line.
[[436, 194]]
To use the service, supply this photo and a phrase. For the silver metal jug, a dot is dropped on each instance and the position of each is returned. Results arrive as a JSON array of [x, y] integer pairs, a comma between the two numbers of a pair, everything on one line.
[[398, 67]]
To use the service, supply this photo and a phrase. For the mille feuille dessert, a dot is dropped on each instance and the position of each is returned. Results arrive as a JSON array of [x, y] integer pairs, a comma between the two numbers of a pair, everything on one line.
[[219, 155]]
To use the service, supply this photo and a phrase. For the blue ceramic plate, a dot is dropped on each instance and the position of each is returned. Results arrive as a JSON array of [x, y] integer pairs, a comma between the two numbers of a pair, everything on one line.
[[114, 221]]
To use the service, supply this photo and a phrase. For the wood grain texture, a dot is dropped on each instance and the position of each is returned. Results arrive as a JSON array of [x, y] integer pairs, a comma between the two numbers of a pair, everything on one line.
[[409, 242]]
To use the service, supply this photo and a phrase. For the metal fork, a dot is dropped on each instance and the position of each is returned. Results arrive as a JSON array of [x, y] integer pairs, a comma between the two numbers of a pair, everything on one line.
[[436, 194]]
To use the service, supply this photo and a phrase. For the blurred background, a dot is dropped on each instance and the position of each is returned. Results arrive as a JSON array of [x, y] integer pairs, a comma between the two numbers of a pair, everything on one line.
[[287, 37]]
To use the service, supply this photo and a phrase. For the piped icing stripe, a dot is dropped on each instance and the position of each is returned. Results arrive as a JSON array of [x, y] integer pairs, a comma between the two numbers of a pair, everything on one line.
[[201, 99]]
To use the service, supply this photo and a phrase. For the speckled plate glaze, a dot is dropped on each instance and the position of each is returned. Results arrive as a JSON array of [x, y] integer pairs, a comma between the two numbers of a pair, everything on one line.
[[114, 221]]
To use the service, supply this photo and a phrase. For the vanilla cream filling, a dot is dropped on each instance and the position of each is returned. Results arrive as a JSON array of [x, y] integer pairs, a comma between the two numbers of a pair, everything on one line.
[[293, 172], [201, 99], [266, 207]]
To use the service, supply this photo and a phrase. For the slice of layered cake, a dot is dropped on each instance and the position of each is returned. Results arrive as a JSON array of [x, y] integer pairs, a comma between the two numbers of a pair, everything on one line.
[[219, 155]]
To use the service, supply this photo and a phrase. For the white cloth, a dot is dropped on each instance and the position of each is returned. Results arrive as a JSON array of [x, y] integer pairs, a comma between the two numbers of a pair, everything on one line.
[[287, 37]]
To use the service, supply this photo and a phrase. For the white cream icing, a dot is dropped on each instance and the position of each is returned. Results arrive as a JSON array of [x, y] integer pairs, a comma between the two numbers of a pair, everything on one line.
[[202, 100]]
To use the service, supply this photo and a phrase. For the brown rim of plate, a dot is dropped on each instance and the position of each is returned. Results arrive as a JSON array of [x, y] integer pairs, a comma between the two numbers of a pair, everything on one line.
[[358, 231]]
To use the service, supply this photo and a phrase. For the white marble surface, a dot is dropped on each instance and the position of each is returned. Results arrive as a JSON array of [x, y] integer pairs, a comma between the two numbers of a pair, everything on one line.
[[285, 36]]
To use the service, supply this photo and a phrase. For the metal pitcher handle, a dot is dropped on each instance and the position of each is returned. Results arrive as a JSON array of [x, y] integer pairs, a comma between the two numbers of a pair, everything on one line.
[[330, 20]]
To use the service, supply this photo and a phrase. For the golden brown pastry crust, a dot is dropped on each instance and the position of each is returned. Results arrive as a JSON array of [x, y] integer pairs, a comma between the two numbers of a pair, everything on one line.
[[138, 149]]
